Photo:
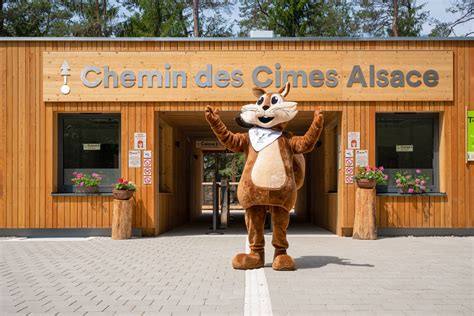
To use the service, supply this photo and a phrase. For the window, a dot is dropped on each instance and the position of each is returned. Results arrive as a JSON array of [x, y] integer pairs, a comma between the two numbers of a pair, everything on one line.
[[406, 142], [89, 143]]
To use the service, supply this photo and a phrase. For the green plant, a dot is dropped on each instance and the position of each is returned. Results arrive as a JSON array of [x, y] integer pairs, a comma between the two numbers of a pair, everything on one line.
[[125, 185], [83, 179], [372, 173], [408, 183]]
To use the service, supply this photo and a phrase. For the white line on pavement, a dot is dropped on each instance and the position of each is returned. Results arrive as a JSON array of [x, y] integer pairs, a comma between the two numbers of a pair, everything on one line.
[[257, 296]]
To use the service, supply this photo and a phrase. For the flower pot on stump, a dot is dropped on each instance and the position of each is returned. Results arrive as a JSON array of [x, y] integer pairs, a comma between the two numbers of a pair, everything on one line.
[[364, 219], [122, 194]]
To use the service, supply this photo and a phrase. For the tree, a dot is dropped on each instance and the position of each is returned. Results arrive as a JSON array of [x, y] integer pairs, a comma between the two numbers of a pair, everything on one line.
[[298, 17], [93, 17], [176, 18], [152, 18], [34, 18], [391, 17], [464, 10]]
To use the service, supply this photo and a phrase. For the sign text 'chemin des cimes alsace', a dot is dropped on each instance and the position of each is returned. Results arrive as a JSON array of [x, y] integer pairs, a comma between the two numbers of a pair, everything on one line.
[[230, 75]]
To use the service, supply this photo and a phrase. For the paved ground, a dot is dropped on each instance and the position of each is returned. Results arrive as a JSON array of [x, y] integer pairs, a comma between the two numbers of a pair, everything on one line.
[[187, 272]]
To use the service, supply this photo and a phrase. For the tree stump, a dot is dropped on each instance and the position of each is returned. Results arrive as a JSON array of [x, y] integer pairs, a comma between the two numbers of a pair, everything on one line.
[[364, 220], [122, 219]]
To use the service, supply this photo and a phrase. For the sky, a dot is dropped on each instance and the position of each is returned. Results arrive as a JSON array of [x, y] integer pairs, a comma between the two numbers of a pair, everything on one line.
[[437, 10]]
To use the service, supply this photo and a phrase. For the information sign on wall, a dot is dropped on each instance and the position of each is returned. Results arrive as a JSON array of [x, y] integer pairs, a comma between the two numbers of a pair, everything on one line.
[[470, 135]]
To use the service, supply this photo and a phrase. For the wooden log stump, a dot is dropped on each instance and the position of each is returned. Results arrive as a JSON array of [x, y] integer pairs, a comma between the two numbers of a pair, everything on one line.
[[122, 219], [364, 220]]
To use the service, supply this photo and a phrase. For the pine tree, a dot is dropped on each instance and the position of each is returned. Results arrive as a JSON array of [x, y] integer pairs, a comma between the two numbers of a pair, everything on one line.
[[391, 17], [298, 17]]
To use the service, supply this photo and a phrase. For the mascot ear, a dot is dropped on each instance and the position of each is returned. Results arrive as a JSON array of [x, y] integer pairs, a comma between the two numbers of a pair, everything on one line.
[[285, 89], [258, 92]]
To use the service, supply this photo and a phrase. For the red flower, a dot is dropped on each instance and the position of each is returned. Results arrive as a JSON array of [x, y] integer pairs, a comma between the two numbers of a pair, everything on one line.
[[120, 180], [125, 182]]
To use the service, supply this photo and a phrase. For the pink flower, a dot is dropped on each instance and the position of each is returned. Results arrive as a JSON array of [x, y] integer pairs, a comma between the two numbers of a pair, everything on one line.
[[417, 180], [74, 173], [397, 181], [94, 174], [418, 171], [385, 178], [423, 182], [381, 168], [423, 188], [367, 168], [408, 176], [411, 190], [82, 184]]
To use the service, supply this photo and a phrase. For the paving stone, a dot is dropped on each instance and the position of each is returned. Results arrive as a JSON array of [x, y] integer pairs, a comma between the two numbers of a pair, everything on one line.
[[170, 275]]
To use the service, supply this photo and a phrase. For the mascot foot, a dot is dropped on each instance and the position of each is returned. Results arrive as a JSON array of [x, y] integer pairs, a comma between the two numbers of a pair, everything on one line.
[[283, 262], [253, 260]]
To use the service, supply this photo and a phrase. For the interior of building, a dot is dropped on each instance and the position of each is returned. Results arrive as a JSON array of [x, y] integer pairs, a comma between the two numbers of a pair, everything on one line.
[[182, 157]]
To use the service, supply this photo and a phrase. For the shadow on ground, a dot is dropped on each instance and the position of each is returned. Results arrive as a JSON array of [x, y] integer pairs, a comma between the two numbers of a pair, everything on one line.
[[314, 262]]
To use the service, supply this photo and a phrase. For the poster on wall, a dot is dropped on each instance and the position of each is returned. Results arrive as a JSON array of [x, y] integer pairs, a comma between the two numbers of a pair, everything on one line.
[[470, 135], [139, 141], [353, 140], [134, 159], [362, 158]]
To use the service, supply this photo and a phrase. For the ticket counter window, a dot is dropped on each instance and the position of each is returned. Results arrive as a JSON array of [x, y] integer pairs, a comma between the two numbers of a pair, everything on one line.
[[89, 143], [406, 142]]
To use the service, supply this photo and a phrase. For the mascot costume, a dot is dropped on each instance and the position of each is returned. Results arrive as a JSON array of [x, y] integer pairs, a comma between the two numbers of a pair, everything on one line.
[[273, 171]]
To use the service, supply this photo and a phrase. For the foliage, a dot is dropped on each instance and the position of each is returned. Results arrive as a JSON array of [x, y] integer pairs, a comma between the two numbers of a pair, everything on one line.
[[175, 18], [223, 165], [125, 185], [34, 18], [406, 183], [372, 173], [464, 9], [298, 17], [83, 179], [97, 18], [383, 18]]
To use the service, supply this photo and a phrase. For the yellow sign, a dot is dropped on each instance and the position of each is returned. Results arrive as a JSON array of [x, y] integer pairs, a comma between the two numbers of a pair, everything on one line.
[[230, 75]]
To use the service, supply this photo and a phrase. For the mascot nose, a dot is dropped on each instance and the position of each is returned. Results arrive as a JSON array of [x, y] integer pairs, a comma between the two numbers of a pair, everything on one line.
[[265, 107]]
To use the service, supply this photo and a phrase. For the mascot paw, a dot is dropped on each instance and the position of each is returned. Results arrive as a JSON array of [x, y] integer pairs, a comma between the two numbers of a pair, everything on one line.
[[283, 263], [245, 261]]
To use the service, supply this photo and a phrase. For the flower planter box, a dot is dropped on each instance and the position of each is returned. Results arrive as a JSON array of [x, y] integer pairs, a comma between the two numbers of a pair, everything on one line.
[[86, 189]]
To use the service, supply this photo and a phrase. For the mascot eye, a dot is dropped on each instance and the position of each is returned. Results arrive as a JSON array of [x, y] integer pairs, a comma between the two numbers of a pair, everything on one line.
[[276, 99], [260, 100]]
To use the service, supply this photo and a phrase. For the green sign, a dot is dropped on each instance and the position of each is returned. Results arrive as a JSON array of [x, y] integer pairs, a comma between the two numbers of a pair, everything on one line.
[[470, 135]]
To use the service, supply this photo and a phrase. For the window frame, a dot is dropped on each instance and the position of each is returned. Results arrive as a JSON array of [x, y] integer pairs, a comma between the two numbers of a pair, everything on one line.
[[435, 188], [61, 116]]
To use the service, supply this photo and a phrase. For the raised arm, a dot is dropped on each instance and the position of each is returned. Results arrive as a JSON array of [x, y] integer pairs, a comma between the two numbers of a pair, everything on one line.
[[305, 143], [237, 142]]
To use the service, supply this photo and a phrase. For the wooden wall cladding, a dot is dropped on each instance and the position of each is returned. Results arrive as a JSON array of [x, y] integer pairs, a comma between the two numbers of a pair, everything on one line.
[[28, 142]]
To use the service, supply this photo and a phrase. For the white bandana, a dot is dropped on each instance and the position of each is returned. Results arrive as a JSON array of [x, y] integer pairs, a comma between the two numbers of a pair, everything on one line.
[[262, 137]]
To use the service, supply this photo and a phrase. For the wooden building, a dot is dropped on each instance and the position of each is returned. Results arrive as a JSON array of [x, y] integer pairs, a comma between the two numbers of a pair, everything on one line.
[[77, 104]]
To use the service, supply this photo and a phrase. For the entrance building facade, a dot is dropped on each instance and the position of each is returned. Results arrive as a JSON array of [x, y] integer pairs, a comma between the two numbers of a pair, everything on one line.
[[134, 108]]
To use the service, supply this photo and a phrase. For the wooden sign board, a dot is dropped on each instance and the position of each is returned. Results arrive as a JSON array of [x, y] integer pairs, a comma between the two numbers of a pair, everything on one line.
[[230, 75]]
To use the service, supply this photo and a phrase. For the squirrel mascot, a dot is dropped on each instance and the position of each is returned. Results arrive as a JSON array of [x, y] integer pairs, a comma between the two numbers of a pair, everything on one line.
[[273, 171]]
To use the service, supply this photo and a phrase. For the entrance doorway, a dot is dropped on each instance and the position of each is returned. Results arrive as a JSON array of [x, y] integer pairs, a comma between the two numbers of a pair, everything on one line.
[[190, 159]]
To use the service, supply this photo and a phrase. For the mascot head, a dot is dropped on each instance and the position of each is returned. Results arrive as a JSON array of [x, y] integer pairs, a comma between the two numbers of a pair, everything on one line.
[[270, 111]]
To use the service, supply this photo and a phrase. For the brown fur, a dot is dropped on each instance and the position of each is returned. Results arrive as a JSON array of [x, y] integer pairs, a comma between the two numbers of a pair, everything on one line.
[[257, 199]]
